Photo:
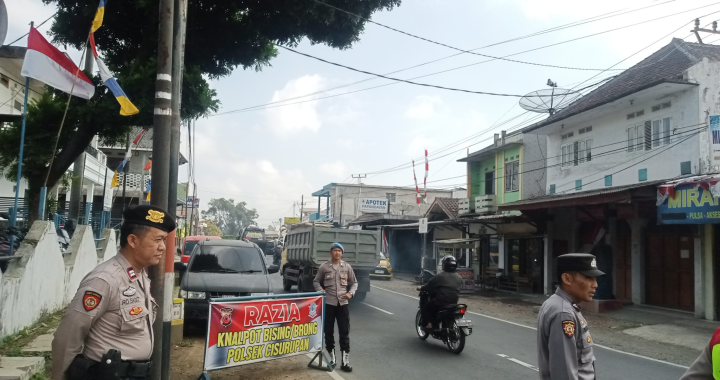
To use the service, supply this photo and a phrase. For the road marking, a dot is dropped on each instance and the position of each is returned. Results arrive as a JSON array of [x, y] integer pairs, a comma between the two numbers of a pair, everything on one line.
[[332, 374], [522, 363], [377, 308], [534, 328]]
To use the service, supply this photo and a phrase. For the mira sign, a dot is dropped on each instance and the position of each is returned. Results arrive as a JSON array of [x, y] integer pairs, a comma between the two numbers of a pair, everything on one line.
[[374, 205], [689, 205]]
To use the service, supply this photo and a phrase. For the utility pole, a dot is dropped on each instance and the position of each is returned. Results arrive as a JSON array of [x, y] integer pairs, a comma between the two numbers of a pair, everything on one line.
[[302, 206], [76, 188], [162, 118], [125, 169], [357, 204], [178, 57], [699, 29]]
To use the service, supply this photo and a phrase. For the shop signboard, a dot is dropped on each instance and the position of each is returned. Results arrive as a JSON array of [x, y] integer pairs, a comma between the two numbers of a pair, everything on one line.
[[689, 204], [468, 280], [246, 330], [292, 219], [373, 205]]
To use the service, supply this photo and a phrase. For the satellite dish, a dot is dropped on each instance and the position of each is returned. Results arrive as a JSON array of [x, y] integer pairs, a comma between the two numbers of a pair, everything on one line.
[[548, 100], [3, 22]]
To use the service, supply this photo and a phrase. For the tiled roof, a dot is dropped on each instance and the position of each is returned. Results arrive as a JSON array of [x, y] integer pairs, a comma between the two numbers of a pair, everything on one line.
[[448, 205], [665, 65], [15, 52]]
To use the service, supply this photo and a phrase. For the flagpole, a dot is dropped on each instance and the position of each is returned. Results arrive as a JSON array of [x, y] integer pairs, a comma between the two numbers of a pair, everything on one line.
[[13, 219]]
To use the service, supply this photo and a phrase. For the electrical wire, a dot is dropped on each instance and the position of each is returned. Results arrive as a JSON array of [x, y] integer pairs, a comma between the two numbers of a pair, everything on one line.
[[37, 27], [266, 105], [463, 51]]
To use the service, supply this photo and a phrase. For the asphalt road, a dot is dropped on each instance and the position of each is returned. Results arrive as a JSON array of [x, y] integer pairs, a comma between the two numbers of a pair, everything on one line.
[[384, 345]]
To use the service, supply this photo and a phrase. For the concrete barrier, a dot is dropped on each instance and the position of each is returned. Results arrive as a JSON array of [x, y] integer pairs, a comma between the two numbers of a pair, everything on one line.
[[108, 245], [34, 284], [80, 259]]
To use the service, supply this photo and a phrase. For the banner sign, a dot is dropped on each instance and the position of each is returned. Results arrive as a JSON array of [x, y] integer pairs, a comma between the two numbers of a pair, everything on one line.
[[689, 205], [193, 202], [423, 225], [252, 331], [468, 280], [292, 219], [374, 205]]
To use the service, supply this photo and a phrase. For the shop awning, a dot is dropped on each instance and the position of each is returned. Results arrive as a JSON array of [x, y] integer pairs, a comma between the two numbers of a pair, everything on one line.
[[582, 198]]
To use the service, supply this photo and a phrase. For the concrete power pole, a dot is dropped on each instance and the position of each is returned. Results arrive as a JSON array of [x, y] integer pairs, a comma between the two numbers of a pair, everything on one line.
[[178, 57], [162, 135], [357, 204]]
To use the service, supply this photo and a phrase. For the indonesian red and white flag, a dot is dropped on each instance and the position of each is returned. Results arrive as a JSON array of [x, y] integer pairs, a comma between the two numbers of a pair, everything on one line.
[[46, 63]]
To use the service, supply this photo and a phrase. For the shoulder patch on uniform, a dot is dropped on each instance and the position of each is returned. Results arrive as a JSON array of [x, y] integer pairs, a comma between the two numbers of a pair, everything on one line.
[[569, 328], [91, 300], [131, 273]]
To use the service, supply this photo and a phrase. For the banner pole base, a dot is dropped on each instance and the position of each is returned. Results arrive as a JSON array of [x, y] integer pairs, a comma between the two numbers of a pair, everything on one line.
[[204, 376], [321, 355]]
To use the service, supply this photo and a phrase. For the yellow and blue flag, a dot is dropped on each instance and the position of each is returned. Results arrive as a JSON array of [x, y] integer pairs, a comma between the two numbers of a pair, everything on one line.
[[99, 15], [147, 188], [115, 181], [126, 107]]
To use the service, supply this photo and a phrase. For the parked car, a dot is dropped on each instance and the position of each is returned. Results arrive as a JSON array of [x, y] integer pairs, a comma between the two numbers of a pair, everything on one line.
[[223, 268], [189, 243], [382, 270]]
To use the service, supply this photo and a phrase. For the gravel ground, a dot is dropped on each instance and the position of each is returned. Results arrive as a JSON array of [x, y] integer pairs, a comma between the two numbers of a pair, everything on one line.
[[606, 331]]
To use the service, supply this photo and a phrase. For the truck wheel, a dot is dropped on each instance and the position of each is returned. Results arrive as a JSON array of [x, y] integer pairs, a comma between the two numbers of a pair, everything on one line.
[[300, 284], [286, 285], [360, 296]]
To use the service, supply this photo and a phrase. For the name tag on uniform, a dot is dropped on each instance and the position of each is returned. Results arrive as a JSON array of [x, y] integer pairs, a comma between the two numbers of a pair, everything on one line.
[[328, 276]]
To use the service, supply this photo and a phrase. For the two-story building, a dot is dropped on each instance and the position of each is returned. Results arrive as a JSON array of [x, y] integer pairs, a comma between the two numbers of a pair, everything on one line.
[[607, 154], [512, 168]]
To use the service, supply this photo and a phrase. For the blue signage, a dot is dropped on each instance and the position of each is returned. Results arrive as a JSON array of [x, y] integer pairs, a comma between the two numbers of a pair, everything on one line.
[[690, 205]]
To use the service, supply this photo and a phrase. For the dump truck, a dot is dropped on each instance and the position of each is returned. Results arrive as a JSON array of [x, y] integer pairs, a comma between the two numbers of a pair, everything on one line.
[[307, 247], [255, 234]]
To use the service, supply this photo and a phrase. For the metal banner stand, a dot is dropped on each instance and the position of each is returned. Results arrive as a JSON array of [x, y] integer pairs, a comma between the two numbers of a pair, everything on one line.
[[320, 366]]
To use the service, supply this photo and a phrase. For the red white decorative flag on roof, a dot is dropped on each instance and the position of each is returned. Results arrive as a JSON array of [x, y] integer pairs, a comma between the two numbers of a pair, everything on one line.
[[46, 63], [417, 189]]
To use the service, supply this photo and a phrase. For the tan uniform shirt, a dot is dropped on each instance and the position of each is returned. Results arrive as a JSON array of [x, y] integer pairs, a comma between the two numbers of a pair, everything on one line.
[[336, 283], [702, 368], [112, 309], [564, 342]]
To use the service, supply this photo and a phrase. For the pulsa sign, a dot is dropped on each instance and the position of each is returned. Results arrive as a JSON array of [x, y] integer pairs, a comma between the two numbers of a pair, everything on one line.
[[689, 205], [373, 205]]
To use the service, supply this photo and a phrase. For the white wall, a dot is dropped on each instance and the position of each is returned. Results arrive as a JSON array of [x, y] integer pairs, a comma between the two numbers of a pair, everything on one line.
[[34, 284], [707, 74], [612, 128], [80, 259], [6, 187], [15, 88], [108, 245]]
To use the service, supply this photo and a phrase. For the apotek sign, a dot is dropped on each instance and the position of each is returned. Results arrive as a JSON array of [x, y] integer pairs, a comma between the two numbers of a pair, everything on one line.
[[245, 332], [373, 205]]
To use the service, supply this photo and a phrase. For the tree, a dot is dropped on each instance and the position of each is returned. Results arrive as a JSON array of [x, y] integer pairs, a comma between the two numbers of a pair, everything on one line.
[[270, 227], [221, 36], [229, 216], [211, 229]]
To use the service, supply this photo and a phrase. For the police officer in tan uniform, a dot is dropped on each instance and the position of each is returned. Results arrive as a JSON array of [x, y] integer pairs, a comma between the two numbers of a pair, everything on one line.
[[563, 337], [106, 332], [336, 279]]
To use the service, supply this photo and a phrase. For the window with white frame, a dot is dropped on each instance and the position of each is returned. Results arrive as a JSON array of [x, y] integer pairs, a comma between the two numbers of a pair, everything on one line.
[[511, 175], [576, 153], [648, 135]]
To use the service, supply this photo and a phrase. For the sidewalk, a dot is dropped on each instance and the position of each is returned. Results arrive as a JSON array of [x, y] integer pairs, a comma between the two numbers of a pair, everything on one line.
[[634, 328]]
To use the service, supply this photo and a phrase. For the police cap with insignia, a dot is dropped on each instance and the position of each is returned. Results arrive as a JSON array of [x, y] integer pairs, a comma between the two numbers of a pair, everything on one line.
[[148, 215], [584, 263]]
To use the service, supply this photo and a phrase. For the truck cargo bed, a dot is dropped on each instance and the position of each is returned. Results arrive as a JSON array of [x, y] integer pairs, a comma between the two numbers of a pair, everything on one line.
[[310, 245]]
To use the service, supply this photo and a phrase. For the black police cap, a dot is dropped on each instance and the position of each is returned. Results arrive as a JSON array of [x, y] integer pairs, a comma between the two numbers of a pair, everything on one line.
[[584, 263], [148, 215]]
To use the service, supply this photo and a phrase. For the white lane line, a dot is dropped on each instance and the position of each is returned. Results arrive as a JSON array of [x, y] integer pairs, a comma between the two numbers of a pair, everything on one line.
[[332, 374], [522, 363], [534, 328], [377, 308]]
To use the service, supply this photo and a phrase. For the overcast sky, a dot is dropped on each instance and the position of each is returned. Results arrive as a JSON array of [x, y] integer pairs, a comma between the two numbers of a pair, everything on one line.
[[270, 157]]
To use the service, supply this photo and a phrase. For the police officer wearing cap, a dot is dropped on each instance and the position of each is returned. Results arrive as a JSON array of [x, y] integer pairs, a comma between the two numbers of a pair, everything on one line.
[[106, 332], [564, 341]]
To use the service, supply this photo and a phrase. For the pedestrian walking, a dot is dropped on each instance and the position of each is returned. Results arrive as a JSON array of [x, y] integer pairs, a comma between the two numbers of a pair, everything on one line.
[[337, 280], [564, 342], [707, 365], [106, 332]]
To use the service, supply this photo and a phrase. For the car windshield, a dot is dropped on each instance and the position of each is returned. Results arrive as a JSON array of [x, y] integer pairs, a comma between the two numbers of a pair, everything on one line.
[[189, 245], [227, 259]]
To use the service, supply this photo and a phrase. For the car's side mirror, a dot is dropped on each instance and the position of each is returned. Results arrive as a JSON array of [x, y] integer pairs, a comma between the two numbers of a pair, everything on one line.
[[180, 266], [273, 269]]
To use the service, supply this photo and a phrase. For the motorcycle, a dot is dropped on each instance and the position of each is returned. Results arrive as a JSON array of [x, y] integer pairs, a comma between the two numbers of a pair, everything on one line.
[[454, 327]]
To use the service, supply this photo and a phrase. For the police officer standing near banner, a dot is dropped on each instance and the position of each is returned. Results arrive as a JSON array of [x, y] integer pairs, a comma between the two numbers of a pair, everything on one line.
[[337, 280], [707, 365], [564, 341], [106, 332]]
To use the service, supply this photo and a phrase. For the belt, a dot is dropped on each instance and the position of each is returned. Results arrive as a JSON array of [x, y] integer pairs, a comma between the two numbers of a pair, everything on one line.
[[131, 369]]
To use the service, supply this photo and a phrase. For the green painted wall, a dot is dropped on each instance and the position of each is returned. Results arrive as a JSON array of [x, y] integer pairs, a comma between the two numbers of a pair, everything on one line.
[[509, 155]]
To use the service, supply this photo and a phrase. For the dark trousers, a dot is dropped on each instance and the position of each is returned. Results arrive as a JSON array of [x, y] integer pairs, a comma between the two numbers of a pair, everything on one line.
[[430, 310], [342, 315]]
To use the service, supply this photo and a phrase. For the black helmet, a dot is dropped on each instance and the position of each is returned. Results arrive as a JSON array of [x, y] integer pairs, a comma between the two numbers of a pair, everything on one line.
[[449, 264]]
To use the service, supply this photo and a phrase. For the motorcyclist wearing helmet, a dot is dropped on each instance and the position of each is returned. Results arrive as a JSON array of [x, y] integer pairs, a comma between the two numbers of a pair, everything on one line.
[[444, 289]]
